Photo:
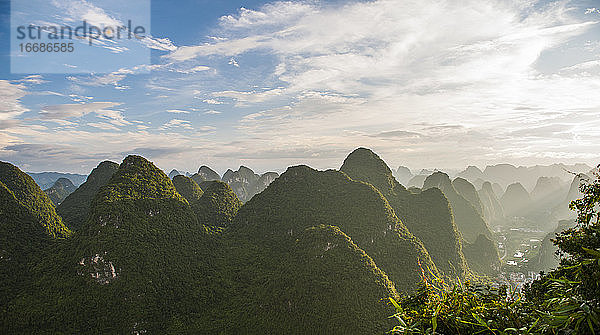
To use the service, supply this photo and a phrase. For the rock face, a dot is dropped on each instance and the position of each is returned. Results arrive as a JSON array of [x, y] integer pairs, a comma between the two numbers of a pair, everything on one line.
[[29, 195], [245, 183], [75, 208], [60, 190], [516, 201], [208, 174], [426, 214], [492, 209], [403, 175], [331, 198], [468, 220]]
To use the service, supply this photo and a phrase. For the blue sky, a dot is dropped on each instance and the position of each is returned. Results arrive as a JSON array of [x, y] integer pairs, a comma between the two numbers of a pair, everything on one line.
[[266, 84]]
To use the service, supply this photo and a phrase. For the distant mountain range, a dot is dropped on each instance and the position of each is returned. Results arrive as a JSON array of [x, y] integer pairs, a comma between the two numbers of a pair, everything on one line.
[[132, 250]]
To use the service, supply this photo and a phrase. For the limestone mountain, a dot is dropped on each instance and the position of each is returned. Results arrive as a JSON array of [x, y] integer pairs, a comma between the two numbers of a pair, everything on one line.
[[208, 174], [472, 173], [426, 214], [331, 198], [546, 259], [468, 220], [217, 207], [60, 190], [403, 175], [549, 191], [317, 281], [516, 201], [562, 211], [22, 239], [492, 209], [243, 182], [190, 190], [29, 195], [138, 264], [498, 190], [417, 181], [45, 180], [265, 180], [174, 173], [468, 191], [75, 208]]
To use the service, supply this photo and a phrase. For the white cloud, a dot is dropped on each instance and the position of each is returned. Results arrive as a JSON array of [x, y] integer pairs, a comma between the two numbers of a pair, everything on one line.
[[176, 123], [212, 112], [469, 62], [10, 100], [177, 111], [212, 102]]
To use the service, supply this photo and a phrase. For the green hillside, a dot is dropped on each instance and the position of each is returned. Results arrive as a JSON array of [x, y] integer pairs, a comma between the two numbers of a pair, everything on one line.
[[22, 239], [426, 214], [218, 205], [468, 220], [317, 282], [278, 215], [75, 208], [468, 191], [29, 195], [139, 263]]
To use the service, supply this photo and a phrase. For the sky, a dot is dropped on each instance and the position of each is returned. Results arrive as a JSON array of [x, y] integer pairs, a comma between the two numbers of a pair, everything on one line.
[[270, 84]]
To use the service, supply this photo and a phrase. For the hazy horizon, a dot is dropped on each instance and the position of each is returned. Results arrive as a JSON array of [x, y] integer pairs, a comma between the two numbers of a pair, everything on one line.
[[270, 84]]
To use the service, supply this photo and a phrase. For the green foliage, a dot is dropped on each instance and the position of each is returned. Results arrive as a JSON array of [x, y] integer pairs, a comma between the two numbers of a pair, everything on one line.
[[564, 301], [75, 208], [21, 240], [218, 205], [438, 308], [189, 189], [426, 214], [30, 196]]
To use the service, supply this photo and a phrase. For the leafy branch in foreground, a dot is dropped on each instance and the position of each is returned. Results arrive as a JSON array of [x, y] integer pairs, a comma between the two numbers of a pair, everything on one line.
[[564, 301]]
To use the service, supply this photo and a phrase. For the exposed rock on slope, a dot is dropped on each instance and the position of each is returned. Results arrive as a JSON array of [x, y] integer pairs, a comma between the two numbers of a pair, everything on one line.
[[60, 190]]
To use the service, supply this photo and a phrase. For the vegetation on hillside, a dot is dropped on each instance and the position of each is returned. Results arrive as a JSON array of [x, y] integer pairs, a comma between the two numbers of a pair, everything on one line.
[[60, 190], [75, 208], [426, 214], [33, 199], [564, 301]]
